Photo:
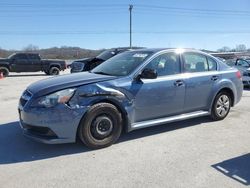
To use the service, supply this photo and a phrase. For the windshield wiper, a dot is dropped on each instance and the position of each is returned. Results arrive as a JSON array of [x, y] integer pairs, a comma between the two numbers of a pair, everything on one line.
[[100, 72]]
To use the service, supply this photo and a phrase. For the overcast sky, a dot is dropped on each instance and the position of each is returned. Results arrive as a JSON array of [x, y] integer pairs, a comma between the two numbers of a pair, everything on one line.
[[99, 24]]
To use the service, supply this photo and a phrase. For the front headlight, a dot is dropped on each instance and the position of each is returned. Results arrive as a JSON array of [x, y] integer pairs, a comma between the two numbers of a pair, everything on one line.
[[59, 97]]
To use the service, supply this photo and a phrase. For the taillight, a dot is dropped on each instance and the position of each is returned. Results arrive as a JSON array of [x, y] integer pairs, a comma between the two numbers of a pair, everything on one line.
[[238, 75]]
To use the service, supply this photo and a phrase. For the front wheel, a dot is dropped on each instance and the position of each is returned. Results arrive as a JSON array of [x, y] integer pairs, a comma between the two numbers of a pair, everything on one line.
[[101, 126], [221, 106], [4, 71]]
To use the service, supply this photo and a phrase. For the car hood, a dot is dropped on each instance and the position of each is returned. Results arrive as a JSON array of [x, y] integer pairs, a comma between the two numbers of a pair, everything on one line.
[[84, 60], [57, 83], [3, 59]]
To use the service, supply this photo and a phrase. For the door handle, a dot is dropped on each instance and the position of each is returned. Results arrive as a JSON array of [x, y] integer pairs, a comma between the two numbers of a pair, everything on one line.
[[214, 78], [178, 83]]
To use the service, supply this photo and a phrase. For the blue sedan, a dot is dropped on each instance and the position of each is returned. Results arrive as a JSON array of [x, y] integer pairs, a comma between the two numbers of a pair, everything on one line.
[[132, 90]]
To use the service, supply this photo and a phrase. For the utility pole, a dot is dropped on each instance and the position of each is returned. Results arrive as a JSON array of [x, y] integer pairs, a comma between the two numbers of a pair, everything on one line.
[[130, 25]]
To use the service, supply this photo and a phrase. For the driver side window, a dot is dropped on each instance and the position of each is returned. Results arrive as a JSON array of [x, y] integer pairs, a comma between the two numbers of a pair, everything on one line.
[[165, 64], [20, 57]]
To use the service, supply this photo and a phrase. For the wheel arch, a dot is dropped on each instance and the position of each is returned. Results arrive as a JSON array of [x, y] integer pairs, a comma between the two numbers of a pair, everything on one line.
[[55, 65], [227, 90], [6, 66], [119, 107], [5, 70]]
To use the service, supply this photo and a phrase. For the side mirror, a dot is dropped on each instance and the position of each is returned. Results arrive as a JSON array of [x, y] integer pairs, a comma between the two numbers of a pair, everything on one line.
[[148, 74]]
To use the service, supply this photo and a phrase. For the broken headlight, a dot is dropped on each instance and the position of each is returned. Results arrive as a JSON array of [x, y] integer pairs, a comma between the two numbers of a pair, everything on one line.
[[59, 97]]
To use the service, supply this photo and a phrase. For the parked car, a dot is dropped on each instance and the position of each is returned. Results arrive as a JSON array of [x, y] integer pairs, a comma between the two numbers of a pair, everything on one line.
[[132, 90], [30, 62], [243, 65], [88, 64]]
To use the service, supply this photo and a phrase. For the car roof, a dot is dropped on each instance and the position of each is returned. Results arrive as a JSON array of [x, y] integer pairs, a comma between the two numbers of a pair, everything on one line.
[[156, 50], [27, 53]]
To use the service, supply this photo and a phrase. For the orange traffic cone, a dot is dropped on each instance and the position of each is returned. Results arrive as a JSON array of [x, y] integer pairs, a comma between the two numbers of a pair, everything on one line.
[[1, 75]]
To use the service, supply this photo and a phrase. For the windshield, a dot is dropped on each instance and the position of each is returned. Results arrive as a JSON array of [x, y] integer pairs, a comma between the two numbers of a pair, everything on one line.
[[11, 56], [106, 55], [122, 64]]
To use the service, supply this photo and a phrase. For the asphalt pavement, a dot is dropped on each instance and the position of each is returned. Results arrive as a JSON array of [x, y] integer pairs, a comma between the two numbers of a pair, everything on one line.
[[192, 153]]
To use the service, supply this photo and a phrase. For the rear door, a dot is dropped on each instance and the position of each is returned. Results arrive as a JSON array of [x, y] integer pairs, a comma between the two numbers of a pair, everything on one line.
[[35, 62], [200, 76]]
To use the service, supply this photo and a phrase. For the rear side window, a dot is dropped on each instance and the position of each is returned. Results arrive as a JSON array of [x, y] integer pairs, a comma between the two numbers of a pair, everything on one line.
[[33, 56], [194, 62]]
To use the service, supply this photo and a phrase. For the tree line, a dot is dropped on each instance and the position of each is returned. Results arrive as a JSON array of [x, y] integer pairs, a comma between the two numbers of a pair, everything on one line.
[[66, 52], [63, 52], [238, 48]]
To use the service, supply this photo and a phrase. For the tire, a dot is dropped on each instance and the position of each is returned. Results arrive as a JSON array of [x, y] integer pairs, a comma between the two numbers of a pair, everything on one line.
[[221, 106], [54, 71], [5, 71], [101, 126]]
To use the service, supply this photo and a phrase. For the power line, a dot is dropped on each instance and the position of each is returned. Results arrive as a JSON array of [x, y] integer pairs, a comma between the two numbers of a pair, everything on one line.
[[194, 9], [53, 5], [188, 15], [108, 6], [122, 32], [191, 13]]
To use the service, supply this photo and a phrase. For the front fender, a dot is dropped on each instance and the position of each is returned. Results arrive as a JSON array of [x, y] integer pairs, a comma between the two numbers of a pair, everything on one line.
[[55, 65], [88, 95], [4, 64]]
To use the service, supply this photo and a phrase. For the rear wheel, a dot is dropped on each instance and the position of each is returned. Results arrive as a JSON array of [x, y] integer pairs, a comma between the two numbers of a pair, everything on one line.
[[101, 126], [4, 71], [54, 71], [221, 106]]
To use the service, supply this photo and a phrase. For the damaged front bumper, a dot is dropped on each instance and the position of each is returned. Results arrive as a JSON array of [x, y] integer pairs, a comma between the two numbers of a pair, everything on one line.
[[51, 125]]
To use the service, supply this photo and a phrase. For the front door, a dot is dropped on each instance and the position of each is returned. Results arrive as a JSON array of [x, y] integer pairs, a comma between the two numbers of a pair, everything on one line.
[[20, 63], [163, 96]]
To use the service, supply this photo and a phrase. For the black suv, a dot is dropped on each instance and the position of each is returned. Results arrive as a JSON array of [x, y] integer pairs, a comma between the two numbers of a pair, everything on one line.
[[88, 64]]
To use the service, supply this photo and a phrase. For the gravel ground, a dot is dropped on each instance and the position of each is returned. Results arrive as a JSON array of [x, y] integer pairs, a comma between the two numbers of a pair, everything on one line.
[[193, 153]]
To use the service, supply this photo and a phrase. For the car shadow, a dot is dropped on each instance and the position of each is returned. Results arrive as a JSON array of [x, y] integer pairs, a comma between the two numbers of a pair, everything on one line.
[[26, 75], [15, 148], [237, 168]]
